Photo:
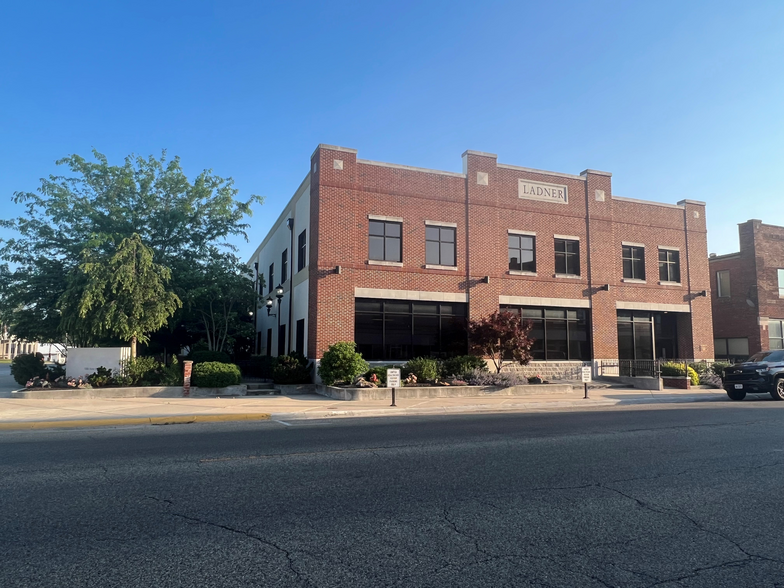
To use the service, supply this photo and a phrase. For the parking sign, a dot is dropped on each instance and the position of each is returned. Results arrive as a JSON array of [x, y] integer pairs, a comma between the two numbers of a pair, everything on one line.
[[393, 378]]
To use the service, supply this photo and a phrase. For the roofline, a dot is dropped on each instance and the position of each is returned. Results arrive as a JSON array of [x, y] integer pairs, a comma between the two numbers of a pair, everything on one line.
[[277, 221]]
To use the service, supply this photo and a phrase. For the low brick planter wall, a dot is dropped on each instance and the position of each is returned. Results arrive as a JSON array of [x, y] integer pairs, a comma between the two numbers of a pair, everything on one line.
[[440, 391], [682, 382]]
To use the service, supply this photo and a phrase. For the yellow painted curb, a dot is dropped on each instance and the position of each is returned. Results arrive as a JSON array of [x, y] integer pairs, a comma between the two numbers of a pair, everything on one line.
[[121, 422]]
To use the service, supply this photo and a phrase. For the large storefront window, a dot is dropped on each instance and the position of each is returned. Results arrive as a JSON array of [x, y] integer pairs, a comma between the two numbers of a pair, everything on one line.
[[561, 334], [647, 335], [400, 330]]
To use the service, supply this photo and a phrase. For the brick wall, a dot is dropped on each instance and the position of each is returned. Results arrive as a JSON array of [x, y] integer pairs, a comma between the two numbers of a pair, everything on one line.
[[753, 285], [484, 208]]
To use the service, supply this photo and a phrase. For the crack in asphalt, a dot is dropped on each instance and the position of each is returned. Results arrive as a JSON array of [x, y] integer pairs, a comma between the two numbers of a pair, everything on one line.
[[289, 557], [749, 557]]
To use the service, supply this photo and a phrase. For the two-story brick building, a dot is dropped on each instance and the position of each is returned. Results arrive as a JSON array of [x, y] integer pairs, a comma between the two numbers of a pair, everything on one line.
[[398, 258], [748, 293]]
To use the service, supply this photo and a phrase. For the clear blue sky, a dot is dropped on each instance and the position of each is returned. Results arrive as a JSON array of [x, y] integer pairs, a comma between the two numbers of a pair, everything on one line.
[[676, 99]]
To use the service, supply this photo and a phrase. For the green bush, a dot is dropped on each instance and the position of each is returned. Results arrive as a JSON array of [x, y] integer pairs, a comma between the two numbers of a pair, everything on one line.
[[292, 369], [718, 367], [203, 355], [216, 374], [258, 366], [461, 365], [673, 369], [28, 366], [694, 376], [426, 369], [142, 371], [171, 375], [700, 367], [101, 377], [341, 363]]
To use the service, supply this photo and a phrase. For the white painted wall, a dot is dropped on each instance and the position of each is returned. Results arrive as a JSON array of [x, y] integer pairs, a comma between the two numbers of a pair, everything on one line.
[[83, 361], [269, 251]]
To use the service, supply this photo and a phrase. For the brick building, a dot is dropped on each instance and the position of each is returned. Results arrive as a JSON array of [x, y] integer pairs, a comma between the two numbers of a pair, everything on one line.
[[748, 293], [397, 258]]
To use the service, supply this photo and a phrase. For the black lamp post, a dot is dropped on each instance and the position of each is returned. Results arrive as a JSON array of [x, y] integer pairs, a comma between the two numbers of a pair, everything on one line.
[[270, 303]]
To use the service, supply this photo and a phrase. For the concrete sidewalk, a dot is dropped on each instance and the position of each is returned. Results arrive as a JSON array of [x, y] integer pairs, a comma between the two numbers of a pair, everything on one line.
[[17, 414]]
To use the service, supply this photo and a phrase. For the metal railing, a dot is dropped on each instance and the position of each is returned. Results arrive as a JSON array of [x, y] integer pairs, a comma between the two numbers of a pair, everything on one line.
[[639, 368]]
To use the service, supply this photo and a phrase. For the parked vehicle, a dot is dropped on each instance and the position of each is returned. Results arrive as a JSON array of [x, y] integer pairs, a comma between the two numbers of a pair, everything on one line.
[[762, 372]]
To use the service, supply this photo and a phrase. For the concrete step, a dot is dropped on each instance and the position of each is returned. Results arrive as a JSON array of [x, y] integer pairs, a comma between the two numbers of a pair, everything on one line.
[[261, 388]]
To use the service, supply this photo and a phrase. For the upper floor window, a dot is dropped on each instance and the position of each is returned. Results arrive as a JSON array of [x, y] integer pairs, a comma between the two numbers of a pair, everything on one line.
[[440, 246], [669, 265], [284, 265], [776, 334], [302, 250], [271, 278], [723, 283], [781, 283], [522, 253], [567, 257], [633, 262], [385, 241]]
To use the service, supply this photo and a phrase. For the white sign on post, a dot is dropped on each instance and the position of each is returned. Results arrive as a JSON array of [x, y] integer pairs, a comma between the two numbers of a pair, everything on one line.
[[393, 378], [586, 374]]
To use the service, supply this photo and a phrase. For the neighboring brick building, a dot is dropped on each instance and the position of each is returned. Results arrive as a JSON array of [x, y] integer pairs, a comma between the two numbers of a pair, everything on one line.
[[748, 293], [397, 258]]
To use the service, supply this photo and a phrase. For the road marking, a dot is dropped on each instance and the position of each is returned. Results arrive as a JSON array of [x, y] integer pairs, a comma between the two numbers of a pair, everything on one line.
[[283, 423]]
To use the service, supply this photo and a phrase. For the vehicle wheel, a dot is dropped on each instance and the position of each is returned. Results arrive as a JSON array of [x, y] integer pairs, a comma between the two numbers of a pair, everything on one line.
[[736, 394], [778, 390]]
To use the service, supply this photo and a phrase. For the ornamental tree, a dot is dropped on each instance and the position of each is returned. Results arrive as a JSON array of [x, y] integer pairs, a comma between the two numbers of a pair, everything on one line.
[[502, 337], [120, 293], [179, 219]]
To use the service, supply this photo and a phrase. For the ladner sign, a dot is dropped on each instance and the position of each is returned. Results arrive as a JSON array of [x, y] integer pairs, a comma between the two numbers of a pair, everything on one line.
[[539, 191]]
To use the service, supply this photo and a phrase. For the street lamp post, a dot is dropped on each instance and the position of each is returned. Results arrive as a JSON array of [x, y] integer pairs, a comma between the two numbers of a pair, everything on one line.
[[270, 303]]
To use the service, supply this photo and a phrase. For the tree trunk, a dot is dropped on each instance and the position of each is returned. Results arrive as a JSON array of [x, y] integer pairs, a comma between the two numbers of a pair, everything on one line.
[[133, 347]]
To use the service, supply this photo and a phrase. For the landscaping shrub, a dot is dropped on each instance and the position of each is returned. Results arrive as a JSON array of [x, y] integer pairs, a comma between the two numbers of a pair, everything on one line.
[[215, 374], [718, 367], [258, 366], [461, 365], [670, 368], [203, 355], [171, 375], [28, 366], [101, 377], [425, 369], [694, 376], [292, 369], [504, 379], [341, 363], [143, 371]]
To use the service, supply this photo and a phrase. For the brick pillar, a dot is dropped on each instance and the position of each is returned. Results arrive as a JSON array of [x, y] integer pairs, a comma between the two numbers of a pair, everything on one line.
[[186, 379], [695, 272]]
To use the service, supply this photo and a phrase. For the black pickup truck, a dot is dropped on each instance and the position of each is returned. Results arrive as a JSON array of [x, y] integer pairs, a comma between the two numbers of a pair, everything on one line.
[[762, 372]]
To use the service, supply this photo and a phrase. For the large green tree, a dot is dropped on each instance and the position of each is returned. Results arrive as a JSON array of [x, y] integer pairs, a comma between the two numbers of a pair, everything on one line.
[[95, 205], [219, 300], [120, 293]]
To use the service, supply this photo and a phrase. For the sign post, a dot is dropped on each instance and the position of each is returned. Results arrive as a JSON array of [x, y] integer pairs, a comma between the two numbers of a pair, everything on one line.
[[586, 379], [393, 381]]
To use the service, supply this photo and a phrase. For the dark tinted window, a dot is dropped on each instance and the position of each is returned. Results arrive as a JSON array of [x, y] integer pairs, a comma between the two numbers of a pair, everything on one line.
[[440, 246], [769, 356], [384, 241], [567, 257]]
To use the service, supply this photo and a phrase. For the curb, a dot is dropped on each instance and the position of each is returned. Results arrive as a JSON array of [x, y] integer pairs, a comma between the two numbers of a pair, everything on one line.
[[487, 408], [120, 422]]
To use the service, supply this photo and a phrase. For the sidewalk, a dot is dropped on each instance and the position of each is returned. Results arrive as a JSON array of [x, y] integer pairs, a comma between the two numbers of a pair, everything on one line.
[[18, 414]]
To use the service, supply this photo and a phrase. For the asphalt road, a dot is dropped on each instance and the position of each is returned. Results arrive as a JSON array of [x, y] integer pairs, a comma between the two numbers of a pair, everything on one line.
[[691, 495]]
